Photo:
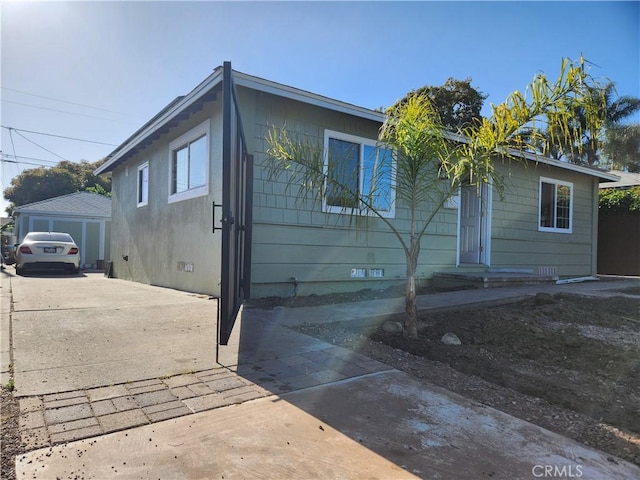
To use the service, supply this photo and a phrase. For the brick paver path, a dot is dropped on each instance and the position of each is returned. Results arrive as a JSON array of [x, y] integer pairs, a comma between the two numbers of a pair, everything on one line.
[[63, 417]]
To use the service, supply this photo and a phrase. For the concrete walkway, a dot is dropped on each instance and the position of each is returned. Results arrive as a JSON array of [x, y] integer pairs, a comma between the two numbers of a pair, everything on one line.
[[285, 405]]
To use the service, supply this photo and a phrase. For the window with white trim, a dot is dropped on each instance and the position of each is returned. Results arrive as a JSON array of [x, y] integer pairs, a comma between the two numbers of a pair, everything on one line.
[[555, 212], [189, 164], [360, 175], [143, 184]]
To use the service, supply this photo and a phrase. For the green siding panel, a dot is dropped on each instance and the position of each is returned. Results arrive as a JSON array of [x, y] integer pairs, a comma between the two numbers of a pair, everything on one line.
[[92, 243], [107, 241], [516, 241], [72, 227]]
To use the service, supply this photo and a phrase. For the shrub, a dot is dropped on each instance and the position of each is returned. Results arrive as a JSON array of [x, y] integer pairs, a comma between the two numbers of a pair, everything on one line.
[[613, 200]]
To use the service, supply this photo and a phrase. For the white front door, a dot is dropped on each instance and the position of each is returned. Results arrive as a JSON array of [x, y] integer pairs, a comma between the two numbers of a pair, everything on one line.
[[474, 225]]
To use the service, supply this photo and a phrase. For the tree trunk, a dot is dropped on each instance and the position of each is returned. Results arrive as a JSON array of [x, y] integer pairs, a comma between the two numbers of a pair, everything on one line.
[[411, 319]]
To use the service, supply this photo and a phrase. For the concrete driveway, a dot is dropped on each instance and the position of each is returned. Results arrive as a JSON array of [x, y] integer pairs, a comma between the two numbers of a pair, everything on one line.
[[79, 332]]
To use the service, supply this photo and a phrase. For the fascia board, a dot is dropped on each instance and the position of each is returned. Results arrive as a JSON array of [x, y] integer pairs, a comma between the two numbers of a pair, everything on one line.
[[188, 100], [565, 165], [267, 86], [244, 80], [48, 213], [539, 159]]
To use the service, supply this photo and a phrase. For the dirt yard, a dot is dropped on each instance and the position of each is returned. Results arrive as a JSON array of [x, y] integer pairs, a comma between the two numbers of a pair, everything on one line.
[[570, 364], [580, 353]]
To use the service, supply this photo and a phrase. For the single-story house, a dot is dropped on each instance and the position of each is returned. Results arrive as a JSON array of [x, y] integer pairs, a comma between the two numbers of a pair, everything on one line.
[[85, 216], [619, 233], [167, 185]]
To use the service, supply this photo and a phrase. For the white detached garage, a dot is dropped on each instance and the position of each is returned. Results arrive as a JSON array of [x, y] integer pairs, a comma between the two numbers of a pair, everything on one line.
[[83, 215]]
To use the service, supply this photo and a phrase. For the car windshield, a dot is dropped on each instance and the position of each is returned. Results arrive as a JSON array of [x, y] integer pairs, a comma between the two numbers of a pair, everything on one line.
[[48, 237]]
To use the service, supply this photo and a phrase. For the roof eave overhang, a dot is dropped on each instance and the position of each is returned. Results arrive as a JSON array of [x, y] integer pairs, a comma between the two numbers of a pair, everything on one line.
[[270, 87], [267, 86], [240, 79], [512, 152], [603, 176], [65, 214], [162, 119]]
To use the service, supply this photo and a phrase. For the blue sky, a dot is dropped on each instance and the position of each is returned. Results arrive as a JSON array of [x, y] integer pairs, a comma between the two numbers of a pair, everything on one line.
[[98, 71]]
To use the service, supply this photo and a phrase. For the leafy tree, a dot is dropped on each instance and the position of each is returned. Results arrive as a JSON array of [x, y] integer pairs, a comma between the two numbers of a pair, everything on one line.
[[622, 147], [100, 190], [428, 167], [456, 102], [617, 200], [36, 184]]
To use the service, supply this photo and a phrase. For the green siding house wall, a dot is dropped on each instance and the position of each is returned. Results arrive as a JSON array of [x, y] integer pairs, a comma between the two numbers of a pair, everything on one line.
[[167, 239]]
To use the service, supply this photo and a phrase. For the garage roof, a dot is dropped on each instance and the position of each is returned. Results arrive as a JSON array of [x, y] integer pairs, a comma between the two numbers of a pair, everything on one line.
[[85, 204]]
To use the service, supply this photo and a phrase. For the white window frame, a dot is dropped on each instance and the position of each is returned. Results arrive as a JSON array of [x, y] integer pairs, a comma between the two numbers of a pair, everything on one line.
[[145, 189], [556, 183], [362, 141], [195, 133]]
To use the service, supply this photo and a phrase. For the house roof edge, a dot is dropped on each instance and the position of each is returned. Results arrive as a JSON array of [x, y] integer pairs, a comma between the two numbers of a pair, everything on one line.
[[275, 88], [241, 79]]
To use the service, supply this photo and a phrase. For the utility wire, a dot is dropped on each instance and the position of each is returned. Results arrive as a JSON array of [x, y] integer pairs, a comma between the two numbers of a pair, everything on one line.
[[12, 144], [61, 101], [16, 158], [59, 136], [59, 111], [31, 141], [22, 162]]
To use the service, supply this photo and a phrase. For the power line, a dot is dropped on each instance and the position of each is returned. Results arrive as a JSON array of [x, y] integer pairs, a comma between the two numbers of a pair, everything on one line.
[[12, 144], [21, 162], [37, 145], [17, 157], [59, 136], [59, 111], [61, 101], [14, 149]]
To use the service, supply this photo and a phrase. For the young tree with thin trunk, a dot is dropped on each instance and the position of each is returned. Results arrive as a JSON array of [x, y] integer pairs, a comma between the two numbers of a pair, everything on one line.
[[425, 162]]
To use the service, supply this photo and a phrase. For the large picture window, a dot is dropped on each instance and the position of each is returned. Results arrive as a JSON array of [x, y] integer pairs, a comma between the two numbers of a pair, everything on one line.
[[556, 206], [189, 164], [143, 184], [359, 175]]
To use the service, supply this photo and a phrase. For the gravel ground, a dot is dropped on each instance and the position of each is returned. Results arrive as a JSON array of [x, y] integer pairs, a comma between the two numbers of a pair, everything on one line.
[[10, 442]]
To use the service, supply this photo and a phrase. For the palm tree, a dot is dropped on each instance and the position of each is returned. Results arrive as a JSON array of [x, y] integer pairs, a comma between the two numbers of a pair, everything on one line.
[[622, 147], [588, 125], [426, 166]]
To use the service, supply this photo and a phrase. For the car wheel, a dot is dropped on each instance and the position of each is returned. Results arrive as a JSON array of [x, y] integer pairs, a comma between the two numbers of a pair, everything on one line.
[[75, 271], [19, 271]]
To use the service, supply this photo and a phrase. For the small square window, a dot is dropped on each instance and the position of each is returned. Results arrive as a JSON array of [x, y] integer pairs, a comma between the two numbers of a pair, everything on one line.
[[556, 206], [143, 184]]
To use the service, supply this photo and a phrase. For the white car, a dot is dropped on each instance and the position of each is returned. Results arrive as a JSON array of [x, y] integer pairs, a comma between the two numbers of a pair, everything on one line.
[[47, 251]]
